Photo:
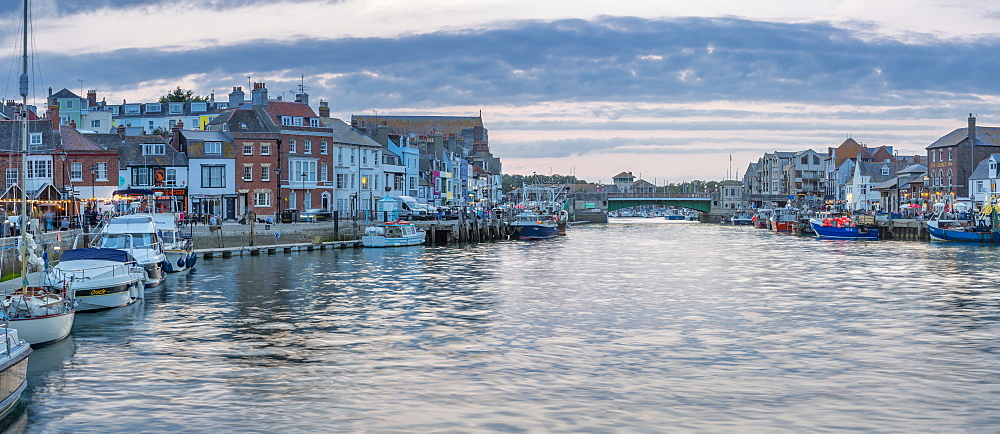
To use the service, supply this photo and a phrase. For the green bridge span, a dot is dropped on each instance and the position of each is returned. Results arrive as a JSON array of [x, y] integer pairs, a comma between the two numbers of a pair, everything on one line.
[[617, 201]]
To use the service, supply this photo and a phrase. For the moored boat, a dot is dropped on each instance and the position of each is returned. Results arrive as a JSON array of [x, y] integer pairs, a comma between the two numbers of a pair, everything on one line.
[[531, 225], [393, 234], [944, 230], [102, 278], [177, 247], [762, 218], [845, 228], [741, 218], [784, 219], [13, 369], [138, 235]]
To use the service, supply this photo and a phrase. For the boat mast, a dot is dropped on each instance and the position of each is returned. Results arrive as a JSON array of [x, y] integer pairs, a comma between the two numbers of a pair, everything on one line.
[[24, 151]]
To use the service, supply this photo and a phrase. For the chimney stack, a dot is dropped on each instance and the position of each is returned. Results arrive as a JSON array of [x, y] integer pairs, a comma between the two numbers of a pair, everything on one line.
[[121, 131], [258, 96], [92, 98], [53, 114], [236, 97], [72, 124], [324, 109], [382, 135], [302, 98]]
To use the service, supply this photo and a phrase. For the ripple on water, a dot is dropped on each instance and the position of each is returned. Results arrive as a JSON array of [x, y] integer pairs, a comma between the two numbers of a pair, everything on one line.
[[620, 327]]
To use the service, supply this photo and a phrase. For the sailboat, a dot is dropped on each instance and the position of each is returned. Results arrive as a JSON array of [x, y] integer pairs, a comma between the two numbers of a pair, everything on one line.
[[42, 306]]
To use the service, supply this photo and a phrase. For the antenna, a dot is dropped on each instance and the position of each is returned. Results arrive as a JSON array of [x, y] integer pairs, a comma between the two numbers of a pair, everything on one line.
[[302, 84]]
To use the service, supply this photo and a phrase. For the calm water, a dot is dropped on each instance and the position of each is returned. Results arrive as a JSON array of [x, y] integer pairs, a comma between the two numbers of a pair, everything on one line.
[[637, 326]]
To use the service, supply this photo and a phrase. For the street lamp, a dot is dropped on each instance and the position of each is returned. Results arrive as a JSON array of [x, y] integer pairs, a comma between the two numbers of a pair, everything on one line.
[[93, 182], [304, 190]]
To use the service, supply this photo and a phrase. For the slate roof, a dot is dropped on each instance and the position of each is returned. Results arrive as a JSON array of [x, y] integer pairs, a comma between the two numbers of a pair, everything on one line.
[[10, 136], [985, 136], [344, 133], [914, 168], [73, 140], [287, 108], [873, 170], [623, 175], [982, 169], [206, 136], [239, 122], [64, 93], [130, 150], [418, 124]]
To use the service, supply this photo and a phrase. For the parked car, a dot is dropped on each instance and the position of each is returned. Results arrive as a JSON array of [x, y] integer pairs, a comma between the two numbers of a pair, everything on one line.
[[409, 209], [315, 215]]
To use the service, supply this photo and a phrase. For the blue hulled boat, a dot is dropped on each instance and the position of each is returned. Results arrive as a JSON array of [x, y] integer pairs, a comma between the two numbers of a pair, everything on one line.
[[824, 229], [965, 234], [535, 226]]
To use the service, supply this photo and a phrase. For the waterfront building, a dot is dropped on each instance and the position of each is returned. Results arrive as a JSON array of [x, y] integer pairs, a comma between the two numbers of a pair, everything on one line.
[[211, 172], [860, 193], [257, 160], [360, 176], [622, 182], [904, 189], [148, 162], [160, 117], [805, 178], [729, 196], [985, 181], [952, 158]]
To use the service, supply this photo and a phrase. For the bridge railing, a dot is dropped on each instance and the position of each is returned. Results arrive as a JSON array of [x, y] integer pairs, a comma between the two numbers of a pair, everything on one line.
[[659, 195]]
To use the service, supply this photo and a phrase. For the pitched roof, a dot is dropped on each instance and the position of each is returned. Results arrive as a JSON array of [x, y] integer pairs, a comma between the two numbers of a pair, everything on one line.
[[343, 133], [623, 175], [64, 93], [985, 136], [418, 124], [982, 170], [287, 108], [10, 135], [73, 140], [130, 149], [873, 170]]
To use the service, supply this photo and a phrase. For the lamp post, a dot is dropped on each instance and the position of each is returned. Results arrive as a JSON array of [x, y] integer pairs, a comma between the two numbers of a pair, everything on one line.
[[93, 182], [304, 192], [277, 180]]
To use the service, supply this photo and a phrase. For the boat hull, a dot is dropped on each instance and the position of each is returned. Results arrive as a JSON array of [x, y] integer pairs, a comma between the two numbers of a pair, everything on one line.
[[13, 371], [107, 297], [848, 233], [381, 241], [741, 222], [179, 261], [782, 226], [536, 232], [44, 329], [940, 234]]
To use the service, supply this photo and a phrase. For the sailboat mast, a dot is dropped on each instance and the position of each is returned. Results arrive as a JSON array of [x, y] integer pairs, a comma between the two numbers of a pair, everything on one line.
[[24, 152]]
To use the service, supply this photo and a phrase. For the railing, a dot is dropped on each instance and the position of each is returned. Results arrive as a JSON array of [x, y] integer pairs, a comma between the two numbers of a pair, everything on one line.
[[660, 195]]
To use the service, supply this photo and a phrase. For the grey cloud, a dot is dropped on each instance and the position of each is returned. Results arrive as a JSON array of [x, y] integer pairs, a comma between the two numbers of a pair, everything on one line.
[[607, 59]]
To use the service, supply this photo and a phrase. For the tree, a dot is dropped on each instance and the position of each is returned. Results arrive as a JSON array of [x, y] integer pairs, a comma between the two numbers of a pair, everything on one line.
[[180, 95]]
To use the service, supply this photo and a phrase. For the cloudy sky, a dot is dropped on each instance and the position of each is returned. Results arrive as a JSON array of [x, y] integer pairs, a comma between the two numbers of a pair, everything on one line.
[[667, 89]]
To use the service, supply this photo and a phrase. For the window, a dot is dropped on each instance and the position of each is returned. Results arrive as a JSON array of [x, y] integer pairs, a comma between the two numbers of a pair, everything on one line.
[[286, 120], [248, 172], [265, 173], [199, 107], [805, 159], [323, 173], [96, 123], [247, 148], [364, 156], [213, 147], [885, 170], [39, 169], [132, 109], [291, 146], [142, 176], [340, 156], [323, 147], [298, 168], [933, 157], [11, 177], [69, 103], [176, 108], [213, 176], [265, 149], [153, 108], [76, 171], [399, 183], [352, 158], [170, 177], [153, 149], [979, 186], [297, 121], [307, 146], [341, 180], [35, 139], [313, 122], [949, 154], [102, 171], [261, 199]]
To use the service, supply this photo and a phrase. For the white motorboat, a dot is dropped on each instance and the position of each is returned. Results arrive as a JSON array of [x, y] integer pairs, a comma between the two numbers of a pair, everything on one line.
[[177, 247], [136, 234], [13, 369], [393, 234], [102, 278]]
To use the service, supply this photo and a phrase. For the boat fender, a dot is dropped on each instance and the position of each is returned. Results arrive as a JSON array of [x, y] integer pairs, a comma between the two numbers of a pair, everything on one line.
[[192, 258], [180, 263], [167, 266]]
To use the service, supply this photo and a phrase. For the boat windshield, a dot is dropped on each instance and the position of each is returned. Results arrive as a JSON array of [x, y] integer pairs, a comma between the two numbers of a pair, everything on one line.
[[127, 241]]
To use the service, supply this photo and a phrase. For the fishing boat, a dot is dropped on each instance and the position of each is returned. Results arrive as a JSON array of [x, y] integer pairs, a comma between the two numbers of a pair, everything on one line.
[[983, 228], [40, 306], [532, 225], [177, 247], [138, 235], [842, 227], [393, 234], [13, 369], [741, 218], [784, 219], [102, 278], [762, 218]]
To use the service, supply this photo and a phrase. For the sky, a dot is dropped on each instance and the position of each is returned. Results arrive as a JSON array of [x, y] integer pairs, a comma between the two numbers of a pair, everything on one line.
[[670, 90]]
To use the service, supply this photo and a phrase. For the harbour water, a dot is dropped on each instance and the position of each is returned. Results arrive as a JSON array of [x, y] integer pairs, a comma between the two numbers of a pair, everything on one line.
[[638, 325]]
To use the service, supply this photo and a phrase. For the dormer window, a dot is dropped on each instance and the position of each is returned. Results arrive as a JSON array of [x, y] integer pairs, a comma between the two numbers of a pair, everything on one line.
[[132, 109], [153, 108], [176, 108], [885, 170], [153, 149], [213, 147], [313, 122], [286, 120], [297, 121], [199, 107], [35, 139]]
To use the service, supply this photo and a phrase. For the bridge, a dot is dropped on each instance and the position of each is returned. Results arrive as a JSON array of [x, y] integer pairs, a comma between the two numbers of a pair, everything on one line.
[[697, 201]]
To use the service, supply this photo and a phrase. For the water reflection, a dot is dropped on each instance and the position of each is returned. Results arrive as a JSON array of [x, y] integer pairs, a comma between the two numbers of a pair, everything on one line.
[[621, 327]]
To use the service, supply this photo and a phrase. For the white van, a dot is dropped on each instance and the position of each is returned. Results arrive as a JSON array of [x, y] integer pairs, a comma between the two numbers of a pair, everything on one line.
[[410, 209]]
